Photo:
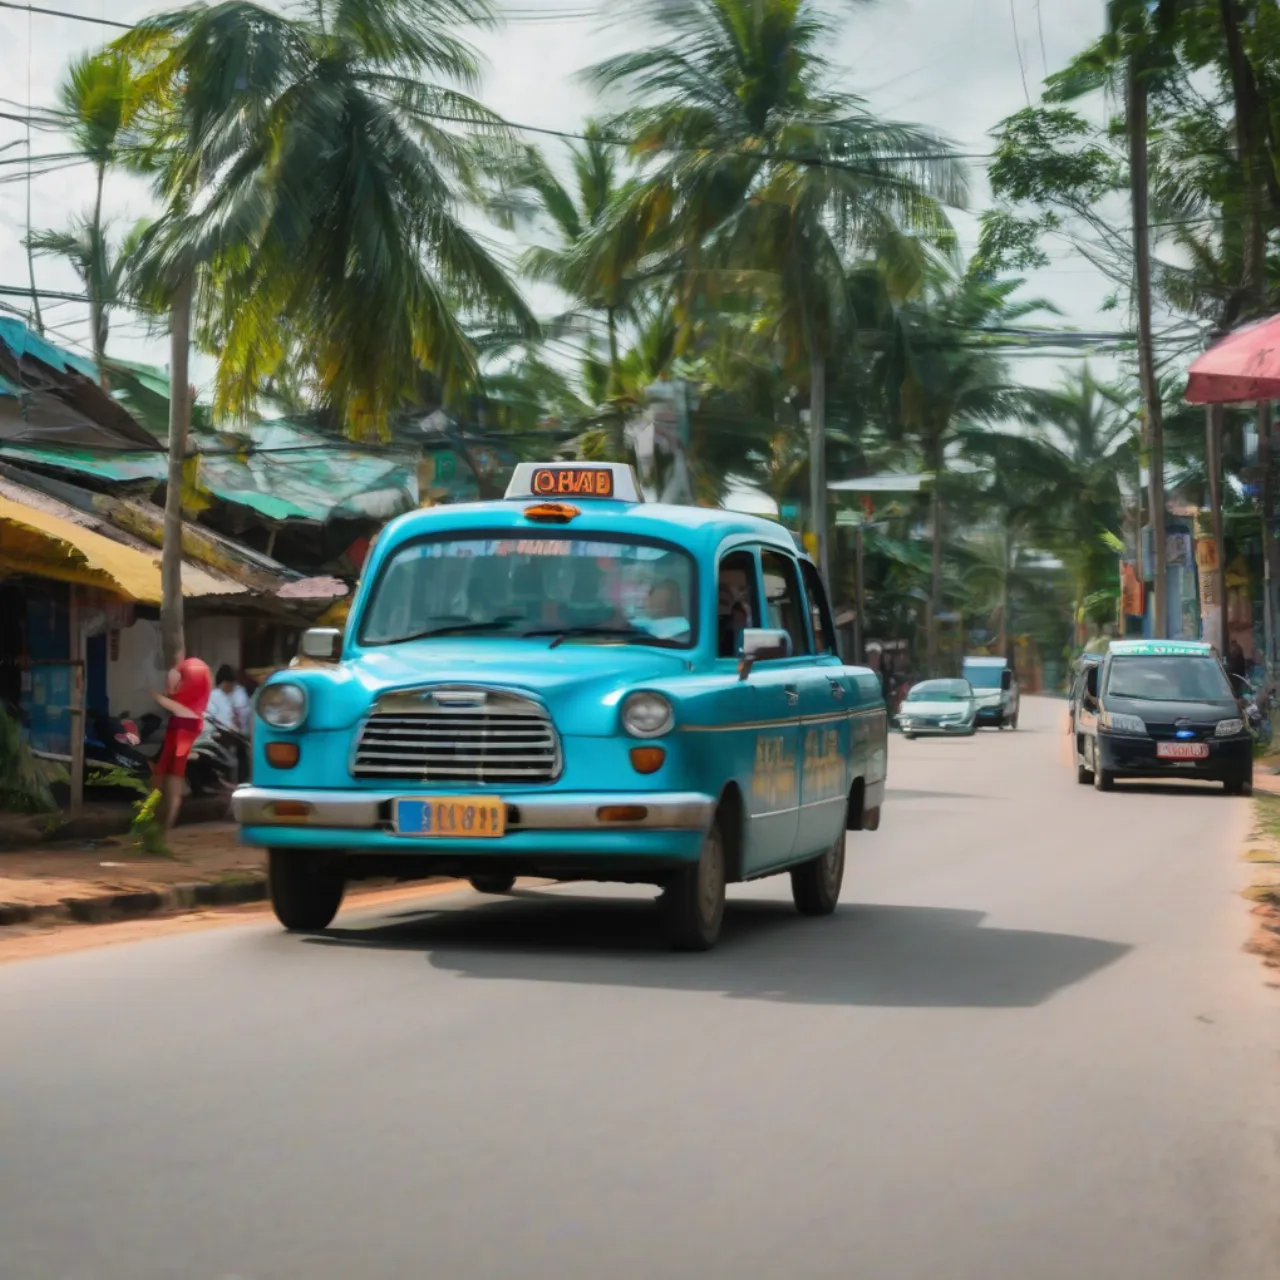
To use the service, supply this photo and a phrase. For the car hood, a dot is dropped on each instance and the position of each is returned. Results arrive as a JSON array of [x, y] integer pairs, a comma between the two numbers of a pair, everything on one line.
[[576, 680], [910, 709], [1170, 712]]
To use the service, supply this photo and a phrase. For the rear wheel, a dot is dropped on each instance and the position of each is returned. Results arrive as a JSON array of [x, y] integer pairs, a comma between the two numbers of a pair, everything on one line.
[[692, 903], [815, 885], [493, 884], [306, 888]]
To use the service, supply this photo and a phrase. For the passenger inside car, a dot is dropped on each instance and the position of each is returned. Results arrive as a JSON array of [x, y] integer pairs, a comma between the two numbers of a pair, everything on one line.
[[734, 612]]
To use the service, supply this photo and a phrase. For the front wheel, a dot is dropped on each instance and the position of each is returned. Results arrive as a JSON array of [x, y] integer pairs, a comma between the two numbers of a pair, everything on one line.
[[815, 885], [1103, 779], [493, 884], [910, 737], [306, 888], [1084, 776], [1241, 786], [692, 903], [1013, 724]]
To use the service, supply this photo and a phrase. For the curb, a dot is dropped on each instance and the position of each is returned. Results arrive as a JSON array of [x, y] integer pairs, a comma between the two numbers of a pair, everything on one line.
[[133, 903]]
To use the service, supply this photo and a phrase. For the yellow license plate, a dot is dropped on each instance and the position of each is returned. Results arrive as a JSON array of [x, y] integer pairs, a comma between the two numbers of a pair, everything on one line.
[[449, 818]]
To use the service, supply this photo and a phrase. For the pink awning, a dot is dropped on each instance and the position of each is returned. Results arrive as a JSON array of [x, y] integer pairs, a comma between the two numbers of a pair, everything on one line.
[[1243, 367]]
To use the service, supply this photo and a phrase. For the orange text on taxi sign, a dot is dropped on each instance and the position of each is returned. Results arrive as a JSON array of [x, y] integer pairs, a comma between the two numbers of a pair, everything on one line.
[[552, 512], [591, 482]]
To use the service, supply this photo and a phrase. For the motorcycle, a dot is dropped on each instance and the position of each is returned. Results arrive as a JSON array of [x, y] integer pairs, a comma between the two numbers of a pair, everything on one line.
[[111, 747], [217, 760]]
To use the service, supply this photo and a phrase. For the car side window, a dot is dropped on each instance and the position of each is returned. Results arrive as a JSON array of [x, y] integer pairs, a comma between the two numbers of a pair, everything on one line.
[[824, 634], [738, 602], [783, 600]]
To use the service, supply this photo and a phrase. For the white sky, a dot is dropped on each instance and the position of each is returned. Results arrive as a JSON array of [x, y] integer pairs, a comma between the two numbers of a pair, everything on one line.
[[951, 65]]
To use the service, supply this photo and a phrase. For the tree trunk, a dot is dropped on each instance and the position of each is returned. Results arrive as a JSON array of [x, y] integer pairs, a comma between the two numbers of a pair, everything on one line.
[[1268, 600], [935, 583], [1249, 110], [98, 274], [1003, 641], [611, 321], [171, 614], [818, 457], [1137, 127], [1215, 626]]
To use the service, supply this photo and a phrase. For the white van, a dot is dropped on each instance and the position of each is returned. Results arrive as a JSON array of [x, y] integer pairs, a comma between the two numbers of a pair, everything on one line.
[[996, 688]]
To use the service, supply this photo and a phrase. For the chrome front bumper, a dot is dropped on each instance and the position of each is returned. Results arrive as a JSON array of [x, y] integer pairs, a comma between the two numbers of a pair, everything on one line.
[[368, 810]]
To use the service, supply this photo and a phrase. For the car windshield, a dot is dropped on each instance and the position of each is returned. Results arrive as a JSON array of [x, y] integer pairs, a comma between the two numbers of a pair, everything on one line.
[[561, 587], [984, 677], [1186, 678], [941, 691]]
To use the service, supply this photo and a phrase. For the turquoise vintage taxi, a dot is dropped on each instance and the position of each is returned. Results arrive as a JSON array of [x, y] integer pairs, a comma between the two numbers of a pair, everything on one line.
[[575, 684]]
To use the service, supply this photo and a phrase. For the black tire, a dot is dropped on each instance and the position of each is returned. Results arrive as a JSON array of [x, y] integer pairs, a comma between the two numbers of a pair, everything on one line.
[[493, 884], [1083, 776], [910, 737], [1241, 786], [1013, 724], [306, 888], [815, 885], [1103, 779], [692, 902]]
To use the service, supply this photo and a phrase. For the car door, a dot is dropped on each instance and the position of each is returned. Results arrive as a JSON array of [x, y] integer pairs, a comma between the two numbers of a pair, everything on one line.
[[828, 699], [774, 802], [756, 737]]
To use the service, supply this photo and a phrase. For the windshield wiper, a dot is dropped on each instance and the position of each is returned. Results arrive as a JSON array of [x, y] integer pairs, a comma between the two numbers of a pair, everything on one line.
[[459, 628], [562, 634]]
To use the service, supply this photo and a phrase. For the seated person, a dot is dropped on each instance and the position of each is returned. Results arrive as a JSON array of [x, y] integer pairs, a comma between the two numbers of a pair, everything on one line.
[[734, 614], [666, 611]]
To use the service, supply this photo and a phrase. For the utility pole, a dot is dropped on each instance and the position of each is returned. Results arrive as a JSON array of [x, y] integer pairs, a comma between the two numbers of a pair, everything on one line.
[[1136, 112], [172, 637]]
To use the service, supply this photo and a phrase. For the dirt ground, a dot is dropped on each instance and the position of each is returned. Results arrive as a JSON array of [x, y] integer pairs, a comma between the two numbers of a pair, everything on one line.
[[48, 873]]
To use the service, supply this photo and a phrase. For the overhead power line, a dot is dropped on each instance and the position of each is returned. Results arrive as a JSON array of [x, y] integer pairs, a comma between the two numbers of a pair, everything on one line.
[[62, 13]]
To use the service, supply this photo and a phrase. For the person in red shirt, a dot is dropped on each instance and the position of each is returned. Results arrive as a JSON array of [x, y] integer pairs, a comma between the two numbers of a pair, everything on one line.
[[186, 696]]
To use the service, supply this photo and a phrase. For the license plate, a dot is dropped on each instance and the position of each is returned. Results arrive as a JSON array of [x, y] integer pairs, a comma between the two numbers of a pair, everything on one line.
[[452, 818], [1182, 750]]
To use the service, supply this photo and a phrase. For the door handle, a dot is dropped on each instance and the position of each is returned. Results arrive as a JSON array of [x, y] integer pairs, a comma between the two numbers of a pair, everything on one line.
[[793, 695], [837, 690]]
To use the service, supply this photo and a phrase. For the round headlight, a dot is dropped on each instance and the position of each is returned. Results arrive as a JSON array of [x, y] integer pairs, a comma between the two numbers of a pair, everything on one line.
[[647, 715], [283, 706]]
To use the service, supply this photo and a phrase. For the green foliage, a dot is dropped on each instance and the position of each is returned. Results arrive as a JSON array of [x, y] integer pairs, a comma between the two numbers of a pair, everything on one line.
[[147, 830], [24, 782]]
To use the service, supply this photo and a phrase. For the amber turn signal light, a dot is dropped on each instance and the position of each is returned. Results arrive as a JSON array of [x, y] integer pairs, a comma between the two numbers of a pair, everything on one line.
[[622, 813], [647, 759], [282, 755], [291, 809], [552, 512]]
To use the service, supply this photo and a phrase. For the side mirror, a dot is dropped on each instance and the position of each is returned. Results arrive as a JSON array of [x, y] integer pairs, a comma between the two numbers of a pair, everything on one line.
[[761, 645], [1006, 680], [321, 644]]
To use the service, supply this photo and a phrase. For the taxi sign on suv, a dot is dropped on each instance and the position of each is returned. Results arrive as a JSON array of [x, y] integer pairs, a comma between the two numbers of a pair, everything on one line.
[[1161, 709], [575, 684]]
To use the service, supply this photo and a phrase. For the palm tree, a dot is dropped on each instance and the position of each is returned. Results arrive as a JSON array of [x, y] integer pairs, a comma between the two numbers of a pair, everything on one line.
[[760, 175], [531, 193], [96, 98], [1061, 478], [943, 370], [103, 270], [309, 173]]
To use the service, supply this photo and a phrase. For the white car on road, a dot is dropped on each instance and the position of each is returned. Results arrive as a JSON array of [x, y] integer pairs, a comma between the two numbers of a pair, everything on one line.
[[939, 706]]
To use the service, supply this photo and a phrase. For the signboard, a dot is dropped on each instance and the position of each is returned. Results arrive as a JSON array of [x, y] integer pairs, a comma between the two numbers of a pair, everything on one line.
[[581, 482]]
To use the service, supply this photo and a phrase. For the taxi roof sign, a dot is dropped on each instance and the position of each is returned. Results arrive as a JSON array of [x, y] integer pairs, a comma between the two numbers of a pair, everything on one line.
[[1160, 649], [550, 481]]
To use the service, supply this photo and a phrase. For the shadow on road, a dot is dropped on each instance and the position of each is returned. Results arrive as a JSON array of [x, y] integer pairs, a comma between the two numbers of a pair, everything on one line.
[[888, 956], [898, 793]]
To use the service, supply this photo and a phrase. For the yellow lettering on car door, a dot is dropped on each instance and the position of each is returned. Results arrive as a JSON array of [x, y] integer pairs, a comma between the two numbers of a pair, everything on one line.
[[824, 766], [773, 780]]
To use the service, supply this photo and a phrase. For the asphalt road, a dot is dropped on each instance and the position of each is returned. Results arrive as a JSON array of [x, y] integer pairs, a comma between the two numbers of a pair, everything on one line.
[[1027, 1046]]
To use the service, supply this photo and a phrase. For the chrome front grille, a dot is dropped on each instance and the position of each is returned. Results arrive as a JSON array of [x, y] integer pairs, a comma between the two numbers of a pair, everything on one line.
[[444, 735]]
